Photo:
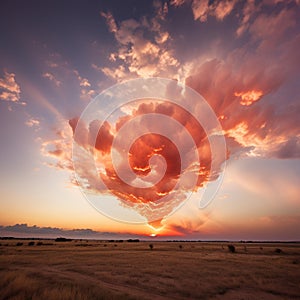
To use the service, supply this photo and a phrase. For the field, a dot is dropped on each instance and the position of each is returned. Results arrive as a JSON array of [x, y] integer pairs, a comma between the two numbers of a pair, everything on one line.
[[171, 270]]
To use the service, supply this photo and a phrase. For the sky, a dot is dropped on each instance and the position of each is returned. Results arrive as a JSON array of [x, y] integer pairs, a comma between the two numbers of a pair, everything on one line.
[[242, 57]]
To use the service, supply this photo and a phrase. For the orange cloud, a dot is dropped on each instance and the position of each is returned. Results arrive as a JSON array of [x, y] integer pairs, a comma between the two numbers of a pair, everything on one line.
[[247, 98], [252, 76], [160, 169]]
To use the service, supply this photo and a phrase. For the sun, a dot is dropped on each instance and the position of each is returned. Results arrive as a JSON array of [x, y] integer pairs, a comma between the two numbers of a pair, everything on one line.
[[153, 235]]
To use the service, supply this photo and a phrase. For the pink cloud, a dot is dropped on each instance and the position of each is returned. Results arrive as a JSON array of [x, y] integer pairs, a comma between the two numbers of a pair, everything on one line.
[[270, 29], [57, 151], [9, 89], [110, 21], [219, 9], [177, 3], [200, 9], [224, 8], [249, 9], [142, 47], [32, 122], [52, 78], [244, 78]]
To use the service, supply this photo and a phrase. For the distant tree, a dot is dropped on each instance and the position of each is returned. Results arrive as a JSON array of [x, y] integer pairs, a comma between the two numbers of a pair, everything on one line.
[[31, 243], [151, 246], [231, 248], [278, 250], [180, 247], [61, 239], [19, 244], [133, 240]]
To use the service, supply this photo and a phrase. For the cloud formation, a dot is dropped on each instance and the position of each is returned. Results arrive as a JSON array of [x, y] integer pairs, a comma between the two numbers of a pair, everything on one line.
[[57, 151], [203, 8], [246, 77], [239, 85], [9, 89], [144, 159], [238, 80], [67, 79], [143, 46], [52, 78], [32, 122]]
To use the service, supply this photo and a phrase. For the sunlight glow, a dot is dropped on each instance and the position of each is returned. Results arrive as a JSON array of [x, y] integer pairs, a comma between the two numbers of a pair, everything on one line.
[[247, 98]]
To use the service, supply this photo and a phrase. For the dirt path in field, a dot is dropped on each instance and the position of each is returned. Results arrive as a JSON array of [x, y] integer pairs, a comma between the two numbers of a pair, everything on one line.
[[115, 287]]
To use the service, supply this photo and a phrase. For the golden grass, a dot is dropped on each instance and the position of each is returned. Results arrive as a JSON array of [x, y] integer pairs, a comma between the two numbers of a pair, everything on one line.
[[102, 270]]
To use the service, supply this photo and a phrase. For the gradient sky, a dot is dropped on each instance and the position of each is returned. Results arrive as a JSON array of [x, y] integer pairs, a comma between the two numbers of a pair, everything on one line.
[[242, 56]]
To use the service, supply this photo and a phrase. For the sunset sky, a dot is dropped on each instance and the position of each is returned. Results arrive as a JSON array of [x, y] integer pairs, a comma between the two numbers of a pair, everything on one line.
[[243, 57]]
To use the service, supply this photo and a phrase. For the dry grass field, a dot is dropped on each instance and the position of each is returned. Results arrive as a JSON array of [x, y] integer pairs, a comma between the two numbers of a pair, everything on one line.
[[171, 270]]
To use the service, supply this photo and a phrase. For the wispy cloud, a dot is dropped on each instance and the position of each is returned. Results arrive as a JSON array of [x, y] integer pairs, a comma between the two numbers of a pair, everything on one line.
[[203, 8], [52, 78], [110, 21], [32, 122], [57, 151]]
